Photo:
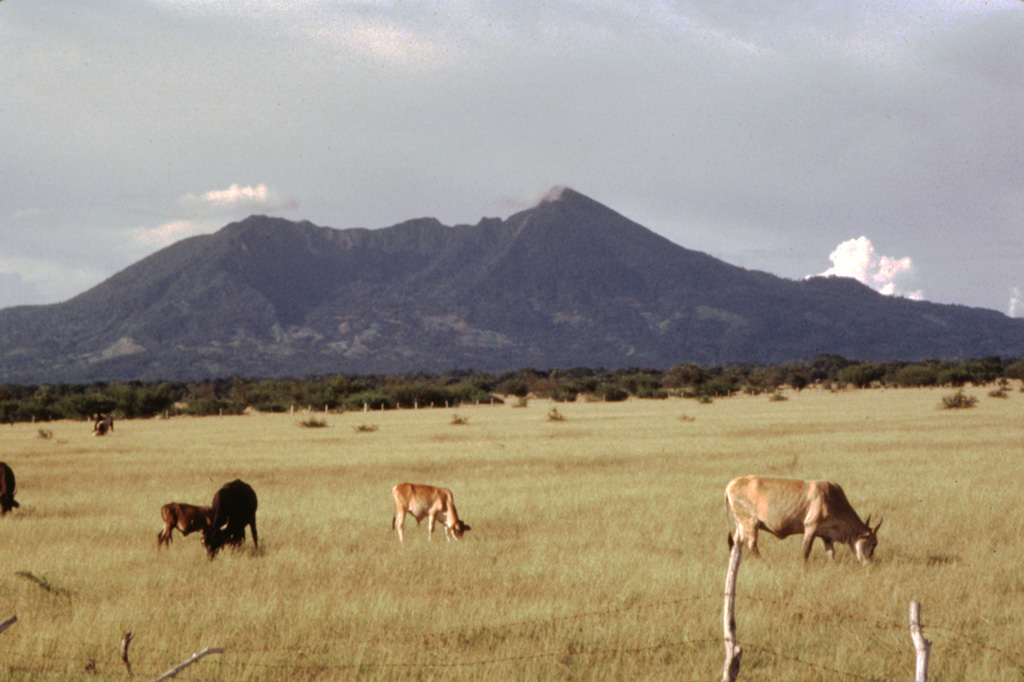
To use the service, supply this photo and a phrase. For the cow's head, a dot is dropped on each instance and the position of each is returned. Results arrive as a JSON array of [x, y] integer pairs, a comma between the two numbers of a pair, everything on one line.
[[458, 528], [213, 539], [866, 541]]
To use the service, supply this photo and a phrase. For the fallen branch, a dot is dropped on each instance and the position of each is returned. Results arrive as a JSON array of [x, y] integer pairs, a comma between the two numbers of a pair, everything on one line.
[[8, 623], [128, 637], [193, 659]]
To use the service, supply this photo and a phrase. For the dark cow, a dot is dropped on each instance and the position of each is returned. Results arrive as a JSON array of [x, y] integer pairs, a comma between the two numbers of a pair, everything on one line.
[[233, 508], [424, 501], [102, 423], [187, 518], [783, 507], [8, 486]]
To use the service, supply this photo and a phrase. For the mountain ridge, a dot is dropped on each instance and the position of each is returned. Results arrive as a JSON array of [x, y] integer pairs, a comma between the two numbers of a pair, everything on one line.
[[568, 282]]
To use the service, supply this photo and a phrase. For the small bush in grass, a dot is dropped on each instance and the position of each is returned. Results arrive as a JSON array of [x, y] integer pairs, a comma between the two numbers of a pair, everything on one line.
[[555, 416], [45, 434], [366, 428], [998, 393], [313, 422], [959, 400], [459, 421], [777, 397]]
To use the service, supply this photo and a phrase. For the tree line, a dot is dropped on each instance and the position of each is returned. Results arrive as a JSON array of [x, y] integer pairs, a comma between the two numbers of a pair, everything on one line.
[[235, 395]]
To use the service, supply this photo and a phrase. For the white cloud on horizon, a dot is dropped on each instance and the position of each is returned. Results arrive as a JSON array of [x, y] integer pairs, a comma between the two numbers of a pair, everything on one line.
[[237, 198], [856, 258], [1016, 307]]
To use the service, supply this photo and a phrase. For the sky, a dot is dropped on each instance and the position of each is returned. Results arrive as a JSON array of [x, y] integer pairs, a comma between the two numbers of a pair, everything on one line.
[[876, 140]]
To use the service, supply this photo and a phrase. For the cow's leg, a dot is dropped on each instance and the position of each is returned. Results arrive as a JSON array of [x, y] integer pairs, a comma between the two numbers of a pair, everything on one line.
[[430, 528], [809, 533], [255, 542], [829, 548], [748, 536], [398, 523]]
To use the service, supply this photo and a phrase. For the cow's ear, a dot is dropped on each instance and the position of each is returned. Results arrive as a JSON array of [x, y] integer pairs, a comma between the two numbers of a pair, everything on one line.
[[465, 527]]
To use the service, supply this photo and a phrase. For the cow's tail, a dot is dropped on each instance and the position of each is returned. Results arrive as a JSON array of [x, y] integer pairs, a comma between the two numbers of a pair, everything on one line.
[[728, 525], [392, 523]]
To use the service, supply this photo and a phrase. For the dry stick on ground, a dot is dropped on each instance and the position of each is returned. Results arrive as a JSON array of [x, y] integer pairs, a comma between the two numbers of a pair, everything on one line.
[[194, 658], [125, 641], [8, 623]]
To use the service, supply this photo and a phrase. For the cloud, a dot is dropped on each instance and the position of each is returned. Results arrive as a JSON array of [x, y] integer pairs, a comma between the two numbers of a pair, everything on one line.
[[166, 234], [237, 198], [17, 290], [1016, 308], [856, 258]]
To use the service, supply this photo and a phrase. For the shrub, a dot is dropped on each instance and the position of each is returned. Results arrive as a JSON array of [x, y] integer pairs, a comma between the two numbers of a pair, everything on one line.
[[459, 421], [313, 422], [959, 400], [555, 416], [366, 428]]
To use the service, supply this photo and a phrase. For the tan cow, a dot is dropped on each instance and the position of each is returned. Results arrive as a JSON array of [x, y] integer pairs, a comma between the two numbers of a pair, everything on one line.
[[423, 501], [187, 518], [786, 507]]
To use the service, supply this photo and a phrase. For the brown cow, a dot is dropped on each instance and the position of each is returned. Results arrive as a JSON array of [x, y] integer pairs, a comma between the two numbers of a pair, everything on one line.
[[102, 424], [424, 501], [187, 518], [786, 507], [8, 486]]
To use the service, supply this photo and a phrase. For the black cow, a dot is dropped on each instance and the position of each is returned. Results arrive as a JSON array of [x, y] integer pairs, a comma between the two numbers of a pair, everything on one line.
[[233, 508], [8, 486]]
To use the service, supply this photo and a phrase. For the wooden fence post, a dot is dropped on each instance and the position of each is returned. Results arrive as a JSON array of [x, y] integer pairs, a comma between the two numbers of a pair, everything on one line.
[[194, 658], [733, 651], [8, 623], [921, 645]]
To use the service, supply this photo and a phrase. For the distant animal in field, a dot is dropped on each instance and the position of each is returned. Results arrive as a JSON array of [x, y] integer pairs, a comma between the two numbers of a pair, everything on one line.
[[102, 423], [8, 486], [187, 518], [233, 508], [426, 501], [784, 507]]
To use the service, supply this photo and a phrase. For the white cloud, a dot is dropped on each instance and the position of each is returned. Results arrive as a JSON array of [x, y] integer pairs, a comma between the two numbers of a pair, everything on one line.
[[166, 234], [1016, 308], [856, 258], [34, 281], [237, 198]]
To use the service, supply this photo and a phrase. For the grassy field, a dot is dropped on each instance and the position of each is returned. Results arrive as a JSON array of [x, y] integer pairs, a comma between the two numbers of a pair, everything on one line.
[[598, 549]]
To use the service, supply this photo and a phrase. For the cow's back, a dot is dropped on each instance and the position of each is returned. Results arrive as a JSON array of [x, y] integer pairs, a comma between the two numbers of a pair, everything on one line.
[[7, 482], [234, 499], [780, 504]]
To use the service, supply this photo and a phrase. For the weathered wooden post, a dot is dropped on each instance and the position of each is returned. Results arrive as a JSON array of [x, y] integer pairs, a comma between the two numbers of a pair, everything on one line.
[[733, 651], [921, 645]]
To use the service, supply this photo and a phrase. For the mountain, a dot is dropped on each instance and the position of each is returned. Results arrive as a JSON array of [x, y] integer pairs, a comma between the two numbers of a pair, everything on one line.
[[567, 283]]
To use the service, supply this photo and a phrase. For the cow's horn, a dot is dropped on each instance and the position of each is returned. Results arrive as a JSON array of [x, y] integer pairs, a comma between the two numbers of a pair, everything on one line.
[[867, 521], [875, 529]]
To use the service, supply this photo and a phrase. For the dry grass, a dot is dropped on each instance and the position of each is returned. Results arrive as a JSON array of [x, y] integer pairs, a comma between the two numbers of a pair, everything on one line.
[[602, 558]]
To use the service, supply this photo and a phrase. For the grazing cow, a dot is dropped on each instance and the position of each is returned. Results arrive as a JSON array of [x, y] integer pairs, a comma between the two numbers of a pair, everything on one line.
[[426, 501], [102, 423], [786, 507], [187, 518], [8, 486], [233, 508]]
